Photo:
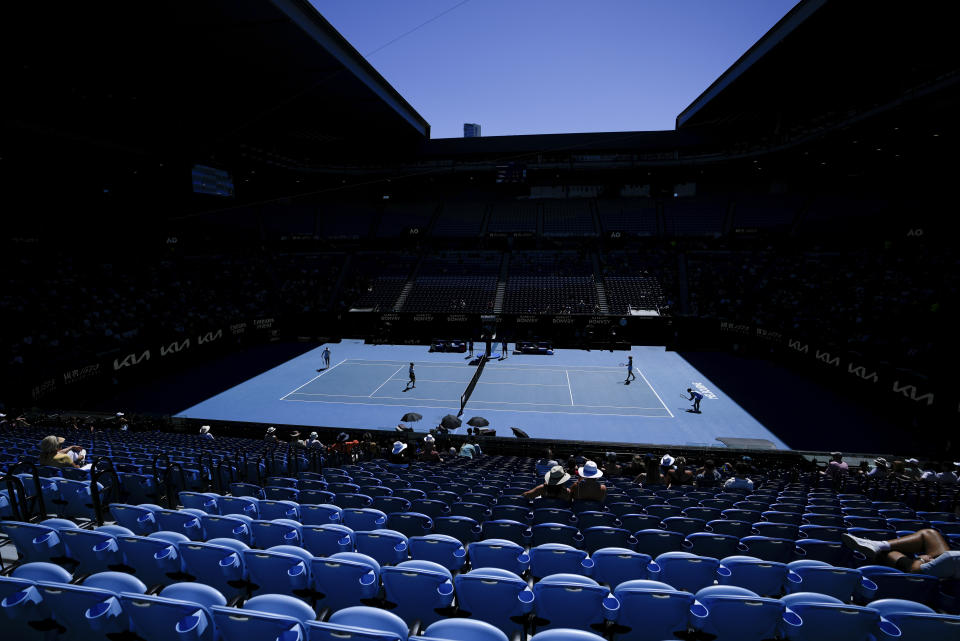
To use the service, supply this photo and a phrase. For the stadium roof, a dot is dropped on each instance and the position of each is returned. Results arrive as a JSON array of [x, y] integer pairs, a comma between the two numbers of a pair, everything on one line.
[[827, 58], [269, 80]]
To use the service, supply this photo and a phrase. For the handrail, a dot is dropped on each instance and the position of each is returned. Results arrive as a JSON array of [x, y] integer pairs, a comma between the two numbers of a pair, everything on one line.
[[168, 482], [219, 474], [14, 485], [95, 473], [37, 486]]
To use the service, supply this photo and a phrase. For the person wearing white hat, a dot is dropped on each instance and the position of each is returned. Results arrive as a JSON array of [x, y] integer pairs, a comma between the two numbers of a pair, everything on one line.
[[314, 440], [949, 476], [552, 487], [399, 454], [429, 451], [205, 432], [271, 435], [589, 488], [880, 469], [52, 454]]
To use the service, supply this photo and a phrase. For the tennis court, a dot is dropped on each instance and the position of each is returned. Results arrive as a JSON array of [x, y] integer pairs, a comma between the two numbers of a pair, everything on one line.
[[570, 395], [520, 388]]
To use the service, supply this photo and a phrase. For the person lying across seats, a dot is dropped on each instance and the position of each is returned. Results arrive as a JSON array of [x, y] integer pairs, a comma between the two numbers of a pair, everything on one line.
[[923, 552]]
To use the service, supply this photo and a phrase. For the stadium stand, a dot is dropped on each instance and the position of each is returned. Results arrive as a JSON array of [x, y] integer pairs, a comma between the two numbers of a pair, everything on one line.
[[635, 216]]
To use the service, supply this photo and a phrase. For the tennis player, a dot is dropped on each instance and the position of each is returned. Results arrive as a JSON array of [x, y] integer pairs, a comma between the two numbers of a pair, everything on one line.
[[630, 375], [412, 383], [696, 397]]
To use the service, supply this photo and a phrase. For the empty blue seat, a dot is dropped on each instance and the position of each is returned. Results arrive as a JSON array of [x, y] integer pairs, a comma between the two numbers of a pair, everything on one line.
[[38, 541], [653, 610], [595, 538], [737, 614], [91, 610], [283, 569], [359, 623], [418, 589], [267, 534], [496, 596], [613, 566], [327, 540], [509, 530], [917, 621], [268, 616], [363, 518], [350, 499], [656, 542], [235, 526], [557, 558], [459, 527], [831, 552], [182, 610], [244, 505], [438, 548], [431, 507], [345, 579], [249, 490], [316, 497], [818, 617], [552, 515], [499, 553], [686, 571], [139, 519], [154, 558], [464, 630], [320, 514], [565, 634], [838, 582], [635, 522], [542, 533], [186, 521], [388, 547], [766, 578], [573, 601], [768, 548], [718, 546], [593, 518], [476, 511], [217, 563], [279, 509], [738, 529], [893, 584], [410, 523], [94, 550], [829, 520]]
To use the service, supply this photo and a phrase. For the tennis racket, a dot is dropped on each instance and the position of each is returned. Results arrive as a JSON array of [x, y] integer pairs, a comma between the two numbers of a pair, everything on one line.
[[684, 396]]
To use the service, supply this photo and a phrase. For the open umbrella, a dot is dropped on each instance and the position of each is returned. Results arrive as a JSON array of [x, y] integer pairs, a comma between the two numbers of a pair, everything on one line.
[[519, 433], [411, 417], [451, 422], [478, 421]]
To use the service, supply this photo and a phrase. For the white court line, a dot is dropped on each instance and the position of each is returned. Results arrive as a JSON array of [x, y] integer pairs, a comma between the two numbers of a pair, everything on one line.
[[431, 380], [541, 368], [488, 409], [387, 381], [457, 400], [314, 378], [569, 389], [637, 369]]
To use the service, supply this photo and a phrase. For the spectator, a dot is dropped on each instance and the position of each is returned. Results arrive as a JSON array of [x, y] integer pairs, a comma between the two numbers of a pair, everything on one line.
[[611, 468], [924, 552], [313, 441], [678, 474], [589, 488], [466, 450], [52, 454], [708, 477], [552, 486], [949, 474], [652, 475], [271, 435], [399, 455], [880, 469], [837, 468], [429, 451], [740, 480], [205, 433]]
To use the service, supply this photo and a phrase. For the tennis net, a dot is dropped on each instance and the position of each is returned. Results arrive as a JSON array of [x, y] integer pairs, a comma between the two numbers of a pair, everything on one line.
[[473, 383]]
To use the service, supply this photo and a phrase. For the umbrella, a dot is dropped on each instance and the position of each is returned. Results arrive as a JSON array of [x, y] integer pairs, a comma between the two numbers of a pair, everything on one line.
[[519, 433], [451, 422], [478, 421], [412, 417]]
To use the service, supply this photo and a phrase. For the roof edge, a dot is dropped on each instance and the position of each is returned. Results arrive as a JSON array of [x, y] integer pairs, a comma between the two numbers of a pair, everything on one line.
[[311, 21], [786, 25]]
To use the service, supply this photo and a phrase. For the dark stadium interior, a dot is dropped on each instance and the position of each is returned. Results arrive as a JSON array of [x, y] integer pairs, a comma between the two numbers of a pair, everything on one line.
[[792, 239]]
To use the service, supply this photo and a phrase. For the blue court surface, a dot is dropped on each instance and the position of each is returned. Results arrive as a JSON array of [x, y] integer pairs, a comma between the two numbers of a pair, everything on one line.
[[571, 395]]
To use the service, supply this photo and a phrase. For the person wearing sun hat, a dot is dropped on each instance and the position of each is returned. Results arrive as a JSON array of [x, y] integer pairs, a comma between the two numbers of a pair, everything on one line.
[[399, 455], [52, 454], [429, 451], [553, 485], [589, 488], [205, 432], [271, 435]]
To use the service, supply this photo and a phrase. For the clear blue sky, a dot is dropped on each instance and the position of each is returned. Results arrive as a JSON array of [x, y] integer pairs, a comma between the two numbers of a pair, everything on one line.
[[552, 66]]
